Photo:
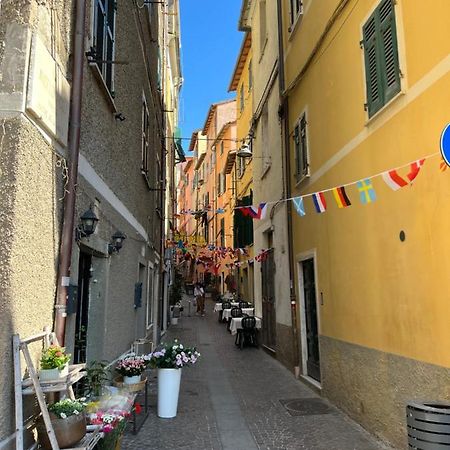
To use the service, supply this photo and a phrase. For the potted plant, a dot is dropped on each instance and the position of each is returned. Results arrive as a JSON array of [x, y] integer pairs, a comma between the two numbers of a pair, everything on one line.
[[131, 368], [68, 421], [54, 363], [96, 377], [169, 360]]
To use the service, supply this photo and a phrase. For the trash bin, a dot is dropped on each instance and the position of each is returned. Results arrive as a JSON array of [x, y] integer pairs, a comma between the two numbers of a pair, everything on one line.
[[428, 425]]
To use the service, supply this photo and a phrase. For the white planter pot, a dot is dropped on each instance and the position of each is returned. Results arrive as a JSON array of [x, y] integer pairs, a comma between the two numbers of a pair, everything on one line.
[[53, 374], [168, 391], [132, 380]]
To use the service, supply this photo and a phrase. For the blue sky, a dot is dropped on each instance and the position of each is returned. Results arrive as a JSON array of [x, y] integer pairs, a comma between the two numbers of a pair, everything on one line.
[[210, 44]]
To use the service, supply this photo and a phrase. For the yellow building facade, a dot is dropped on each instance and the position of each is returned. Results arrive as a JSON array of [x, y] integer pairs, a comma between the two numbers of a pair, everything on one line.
[[242, 84], [368, 93]]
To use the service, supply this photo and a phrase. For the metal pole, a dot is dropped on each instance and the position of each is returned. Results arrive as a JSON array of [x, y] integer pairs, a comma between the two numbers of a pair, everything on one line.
[[65, 251]]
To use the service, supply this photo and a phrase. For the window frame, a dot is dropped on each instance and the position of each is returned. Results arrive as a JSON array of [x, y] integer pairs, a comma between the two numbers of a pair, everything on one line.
[[109, 13], [145, 139], [375, 56]]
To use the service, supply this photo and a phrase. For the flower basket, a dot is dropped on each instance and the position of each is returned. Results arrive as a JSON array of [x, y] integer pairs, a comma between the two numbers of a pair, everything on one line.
[[118, 382]]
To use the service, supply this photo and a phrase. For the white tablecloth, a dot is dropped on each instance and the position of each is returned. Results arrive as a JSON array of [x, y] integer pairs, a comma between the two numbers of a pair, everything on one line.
[[227, 312], [218, 306], [237, 325]]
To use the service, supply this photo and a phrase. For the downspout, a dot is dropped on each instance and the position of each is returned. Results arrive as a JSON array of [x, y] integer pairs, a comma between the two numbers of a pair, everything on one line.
[[287, 188], [65, 251]]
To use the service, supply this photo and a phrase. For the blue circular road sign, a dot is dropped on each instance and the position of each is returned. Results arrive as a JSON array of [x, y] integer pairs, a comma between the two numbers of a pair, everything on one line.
[[445, 144]]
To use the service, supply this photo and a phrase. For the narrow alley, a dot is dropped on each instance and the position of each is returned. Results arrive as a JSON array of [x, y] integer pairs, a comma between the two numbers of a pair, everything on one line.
[[233, 399]]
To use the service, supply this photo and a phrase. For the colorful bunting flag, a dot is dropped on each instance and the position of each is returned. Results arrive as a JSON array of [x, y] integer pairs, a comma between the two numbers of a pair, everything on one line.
[[341, 197], [255, 212], [366, 191], [394, 180], [299, 206], [220, 211], [415, 169], [443, 165], [319, 202]]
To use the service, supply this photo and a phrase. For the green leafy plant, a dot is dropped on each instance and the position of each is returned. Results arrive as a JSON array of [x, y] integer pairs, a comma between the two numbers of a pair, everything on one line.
[[176, 288], [96, 376], [54, 357], [67, 407]]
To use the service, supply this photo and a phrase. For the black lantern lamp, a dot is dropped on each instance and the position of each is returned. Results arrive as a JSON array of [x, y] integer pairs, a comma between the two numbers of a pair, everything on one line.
[[117, 241], [88, 223]]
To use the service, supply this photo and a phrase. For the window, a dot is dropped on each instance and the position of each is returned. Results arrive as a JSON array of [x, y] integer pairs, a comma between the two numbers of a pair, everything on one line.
[[222, 232], [103, 44], [301, 149], [262, 25], [145, 146], [296, 10], [381, 57], [221, 147], [250, 76], [241, 97]]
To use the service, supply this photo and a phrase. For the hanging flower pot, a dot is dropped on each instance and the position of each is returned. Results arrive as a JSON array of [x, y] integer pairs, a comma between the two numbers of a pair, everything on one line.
[[168, 391]]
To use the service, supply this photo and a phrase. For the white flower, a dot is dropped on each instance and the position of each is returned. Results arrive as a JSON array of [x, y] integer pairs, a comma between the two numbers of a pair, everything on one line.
[[63, 416], [76, 412]]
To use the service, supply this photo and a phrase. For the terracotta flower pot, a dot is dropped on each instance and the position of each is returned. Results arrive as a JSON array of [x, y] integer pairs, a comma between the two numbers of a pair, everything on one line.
[[67, 431]]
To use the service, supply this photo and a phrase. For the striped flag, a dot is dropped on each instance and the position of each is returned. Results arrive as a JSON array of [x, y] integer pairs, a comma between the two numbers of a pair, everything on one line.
[[341, 197], [366, 191], [394, 180], [255, 212], [415, 169], [299, 206], [319, 202]]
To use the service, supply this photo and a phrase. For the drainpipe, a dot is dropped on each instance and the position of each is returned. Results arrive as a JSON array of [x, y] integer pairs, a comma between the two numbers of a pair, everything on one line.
[[65, 251], [287, 188]]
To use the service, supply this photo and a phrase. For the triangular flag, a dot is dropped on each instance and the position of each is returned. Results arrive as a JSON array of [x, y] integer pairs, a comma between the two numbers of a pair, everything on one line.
[[299, 206]]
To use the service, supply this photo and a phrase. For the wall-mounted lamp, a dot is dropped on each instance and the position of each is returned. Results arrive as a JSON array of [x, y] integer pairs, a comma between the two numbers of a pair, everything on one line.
[[88, 224], [245, 151], [117, 241], [119, 116]]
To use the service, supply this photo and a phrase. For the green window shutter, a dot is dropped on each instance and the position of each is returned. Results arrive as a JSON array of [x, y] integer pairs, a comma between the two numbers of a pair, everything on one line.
[[389, 50], [373, 65], [381, 57]]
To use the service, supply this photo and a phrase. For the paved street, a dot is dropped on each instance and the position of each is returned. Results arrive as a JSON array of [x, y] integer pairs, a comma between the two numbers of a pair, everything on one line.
[[232, 399]]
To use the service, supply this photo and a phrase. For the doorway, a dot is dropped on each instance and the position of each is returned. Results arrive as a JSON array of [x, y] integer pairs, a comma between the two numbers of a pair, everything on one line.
[[268, 300], [309, 319], [82, 318]]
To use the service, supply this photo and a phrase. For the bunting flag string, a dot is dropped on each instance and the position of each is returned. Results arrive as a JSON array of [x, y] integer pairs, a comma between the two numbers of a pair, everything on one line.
[[392, 178]]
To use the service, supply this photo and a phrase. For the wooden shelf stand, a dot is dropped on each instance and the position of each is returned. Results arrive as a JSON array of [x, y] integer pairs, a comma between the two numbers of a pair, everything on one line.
[[33, 386]]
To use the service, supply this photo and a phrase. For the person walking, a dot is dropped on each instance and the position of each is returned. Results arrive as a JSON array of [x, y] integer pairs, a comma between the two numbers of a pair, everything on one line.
[[199, 294]]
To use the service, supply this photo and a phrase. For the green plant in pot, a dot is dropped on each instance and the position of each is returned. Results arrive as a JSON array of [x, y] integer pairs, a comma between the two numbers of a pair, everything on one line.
[[68, 421], [54, 363], [97, 375]]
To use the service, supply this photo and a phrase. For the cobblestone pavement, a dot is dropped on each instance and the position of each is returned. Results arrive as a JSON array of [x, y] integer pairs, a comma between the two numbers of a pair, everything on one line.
[[232, 399]]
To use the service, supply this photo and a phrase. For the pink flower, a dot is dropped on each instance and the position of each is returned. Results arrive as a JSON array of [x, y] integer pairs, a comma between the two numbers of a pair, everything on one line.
[[108, 428]]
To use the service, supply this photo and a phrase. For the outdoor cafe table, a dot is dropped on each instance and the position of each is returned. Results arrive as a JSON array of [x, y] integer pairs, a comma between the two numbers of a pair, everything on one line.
[[236, 324], [226, 314], [218, 306]]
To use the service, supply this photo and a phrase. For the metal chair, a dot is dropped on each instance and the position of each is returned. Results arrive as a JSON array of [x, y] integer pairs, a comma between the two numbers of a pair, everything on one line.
[[243, 304], [247, 335], [225, 305]]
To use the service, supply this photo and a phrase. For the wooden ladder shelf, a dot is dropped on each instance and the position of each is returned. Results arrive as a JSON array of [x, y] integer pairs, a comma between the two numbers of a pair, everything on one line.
[[33, 386]]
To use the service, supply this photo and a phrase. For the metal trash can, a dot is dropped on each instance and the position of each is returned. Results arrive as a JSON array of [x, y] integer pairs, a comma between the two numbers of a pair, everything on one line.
[[428, 425]]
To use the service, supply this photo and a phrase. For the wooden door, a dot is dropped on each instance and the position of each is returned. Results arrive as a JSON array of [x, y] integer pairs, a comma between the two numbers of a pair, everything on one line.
[[268, 301], [311, 333]]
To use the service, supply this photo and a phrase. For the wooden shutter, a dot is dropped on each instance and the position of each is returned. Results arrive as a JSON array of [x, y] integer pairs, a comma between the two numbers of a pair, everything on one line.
[[389, 50], [381, 57], [373, 65]]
